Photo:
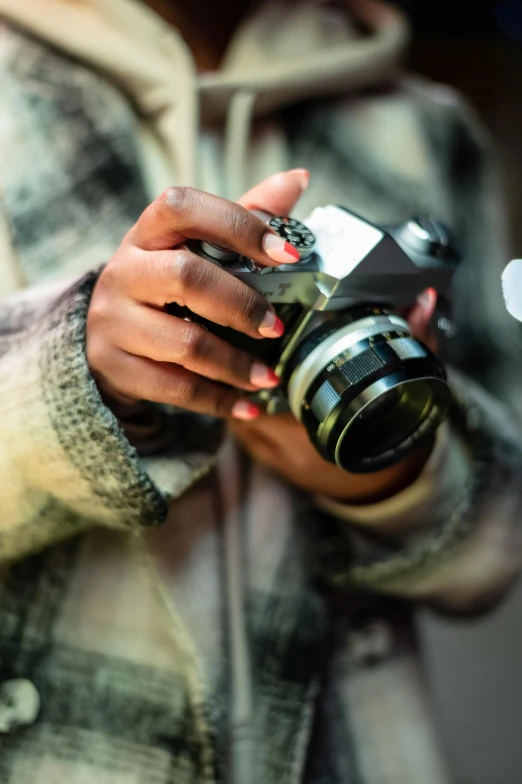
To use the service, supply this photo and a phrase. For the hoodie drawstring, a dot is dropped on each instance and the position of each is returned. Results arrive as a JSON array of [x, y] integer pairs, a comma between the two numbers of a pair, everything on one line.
[[237, 135]]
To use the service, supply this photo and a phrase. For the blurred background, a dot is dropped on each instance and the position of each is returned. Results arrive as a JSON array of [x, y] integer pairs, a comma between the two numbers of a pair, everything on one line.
[[477, 47], [475, 667]]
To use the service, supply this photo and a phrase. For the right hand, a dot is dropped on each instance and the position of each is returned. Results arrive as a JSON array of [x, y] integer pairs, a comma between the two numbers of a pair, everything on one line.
[[137, 351]]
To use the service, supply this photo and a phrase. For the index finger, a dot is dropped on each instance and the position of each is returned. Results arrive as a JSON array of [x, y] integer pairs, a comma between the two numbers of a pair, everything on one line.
[[278, 194], [186, 213]]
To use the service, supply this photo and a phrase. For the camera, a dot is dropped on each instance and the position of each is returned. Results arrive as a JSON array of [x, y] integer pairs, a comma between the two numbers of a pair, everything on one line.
[[366, 390]]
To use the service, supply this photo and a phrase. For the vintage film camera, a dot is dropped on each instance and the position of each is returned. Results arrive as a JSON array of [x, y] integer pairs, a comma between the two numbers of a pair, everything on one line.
[[366, 390]]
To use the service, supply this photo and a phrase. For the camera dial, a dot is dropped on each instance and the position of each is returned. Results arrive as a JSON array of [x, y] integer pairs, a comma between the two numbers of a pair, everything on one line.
[[294, 232], [426, 236]]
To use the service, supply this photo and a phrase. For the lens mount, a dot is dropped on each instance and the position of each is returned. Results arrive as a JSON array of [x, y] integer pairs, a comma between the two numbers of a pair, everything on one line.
[[366, 390]]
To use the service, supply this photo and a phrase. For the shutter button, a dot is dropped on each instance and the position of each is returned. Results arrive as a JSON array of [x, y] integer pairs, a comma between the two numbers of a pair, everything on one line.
[[19, 704]]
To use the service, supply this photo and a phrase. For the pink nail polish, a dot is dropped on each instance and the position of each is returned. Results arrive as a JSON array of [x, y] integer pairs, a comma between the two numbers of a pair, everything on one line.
[[271, 326], [243, 409], [279, 250], [263, 376]]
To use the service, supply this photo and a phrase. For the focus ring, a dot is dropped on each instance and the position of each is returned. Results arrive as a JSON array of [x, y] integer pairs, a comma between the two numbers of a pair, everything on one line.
[[356, 369], [341, 378], [325, 400], [327, 350], [360, 366], [406, 348]]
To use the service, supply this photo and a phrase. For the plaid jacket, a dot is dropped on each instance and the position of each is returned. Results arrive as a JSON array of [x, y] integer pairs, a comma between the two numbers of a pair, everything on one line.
[[118, 622]]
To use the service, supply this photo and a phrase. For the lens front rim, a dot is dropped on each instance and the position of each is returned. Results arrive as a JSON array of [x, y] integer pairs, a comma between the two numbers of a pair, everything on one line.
[[437, 408]]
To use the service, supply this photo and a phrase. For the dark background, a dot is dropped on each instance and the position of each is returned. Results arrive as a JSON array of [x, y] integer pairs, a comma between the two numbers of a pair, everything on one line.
[[477, 48], [475, 668]]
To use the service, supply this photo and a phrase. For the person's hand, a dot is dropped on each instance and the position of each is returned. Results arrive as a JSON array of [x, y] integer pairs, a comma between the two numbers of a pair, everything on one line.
[[137, 351], [281, 442]]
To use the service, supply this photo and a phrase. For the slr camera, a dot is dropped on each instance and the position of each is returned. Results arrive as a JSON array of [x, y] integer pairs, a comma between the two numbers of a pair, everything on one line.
[[366, 390]]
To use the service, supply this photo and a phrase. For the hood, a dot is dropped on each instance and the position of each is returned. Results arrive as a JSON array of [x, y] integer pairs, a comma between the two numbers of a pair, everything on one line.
[[286, 51]]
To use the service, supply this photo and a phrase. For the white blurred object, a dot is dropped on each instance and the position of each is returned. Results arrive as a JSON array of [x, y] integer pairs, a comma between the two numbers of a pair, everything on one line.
[[512, 288]]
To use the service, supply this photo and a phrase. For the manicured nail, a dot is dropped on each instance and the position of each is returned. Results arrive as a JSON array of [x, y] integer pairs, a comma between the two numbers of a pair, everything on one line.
[[263, 376], [243, 409], [303, 175], [427, 295], [271, 326], [279, 250]]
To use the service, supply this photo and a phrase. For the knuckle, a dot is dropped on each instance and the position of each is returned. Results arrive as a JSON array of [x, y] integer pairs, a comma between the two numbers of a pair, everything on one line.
[[98, 307], [96, 353], [176, 198], [239, 365], [192, 345], [110, 275], [115, 275], [101, 309], [187, 391], [252, 308], [223, 401], [237, 224], [187, 271]]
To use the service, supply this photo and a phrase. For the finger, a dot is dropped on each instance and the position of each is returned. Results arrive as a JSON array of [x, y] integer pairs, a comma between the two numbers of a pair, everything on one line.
[[140, 378], [164, 338], [420, 316], [208, 290], [277, 194], [186, 213]]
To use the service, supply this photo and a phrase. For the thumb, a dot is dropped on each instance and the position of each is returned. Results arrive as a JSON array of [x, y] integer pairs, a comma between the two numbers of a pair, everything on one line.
[[419, 317], [277, 194]]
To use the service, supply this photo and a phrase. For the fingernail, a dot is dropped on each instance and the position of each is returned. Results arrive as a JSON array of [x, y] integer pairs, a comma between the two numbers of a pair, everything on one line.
[[303, 175], [243, 409], [426, 296], [279, 250], [263, 376], [271, 326]]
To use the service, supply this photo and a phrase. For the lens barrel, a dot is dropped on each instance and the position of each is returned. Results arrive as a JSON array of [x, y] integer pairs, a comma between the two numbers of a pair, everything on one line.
[[366, 390]]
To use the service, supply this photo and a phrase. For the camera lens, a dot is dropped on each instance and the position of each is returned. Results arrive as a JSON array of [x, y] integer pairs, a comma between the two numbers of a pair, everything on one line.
[[367, 391]]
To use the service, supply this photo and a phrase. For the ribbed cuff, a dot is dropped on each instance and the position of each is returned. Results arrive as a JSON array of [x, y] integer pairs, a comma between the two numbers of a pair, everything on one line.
[[88, 432]]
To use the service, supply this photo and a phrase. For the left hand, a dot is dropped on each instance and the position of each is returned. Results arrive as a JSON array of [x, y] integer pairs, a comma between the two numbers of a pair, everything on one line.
[[281, 442]]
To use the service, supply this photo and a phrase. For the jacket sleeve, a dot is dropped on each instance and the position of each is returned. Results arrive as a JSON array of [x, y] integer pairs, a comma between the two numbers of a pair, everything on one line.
[[65, 463], [463, 548]]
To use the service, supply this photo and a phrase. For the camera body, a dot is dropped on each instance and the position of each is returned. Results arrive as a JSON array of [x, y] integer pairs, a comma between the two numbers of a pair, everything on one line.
[[366, 390]]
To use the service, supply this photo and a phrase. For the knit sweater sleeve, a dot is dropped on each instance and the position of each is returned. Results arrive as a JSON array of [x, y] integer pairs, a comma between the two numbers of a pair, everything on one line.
[[65, 463], [463, 542]]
